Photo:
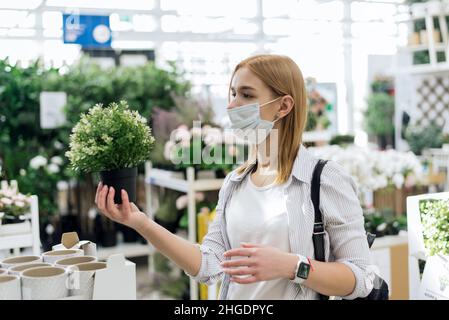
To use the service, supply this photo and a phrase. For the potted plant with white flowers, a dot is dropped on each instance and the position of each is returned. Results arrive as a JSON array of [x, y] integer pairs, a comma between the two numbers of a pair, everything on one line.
[[14, 209], [112, 141]]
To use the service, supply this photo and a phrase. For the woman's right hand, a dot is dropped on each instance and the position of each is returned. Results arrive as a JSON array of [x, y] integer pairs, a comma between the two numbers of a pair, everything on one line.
[[126, 213]]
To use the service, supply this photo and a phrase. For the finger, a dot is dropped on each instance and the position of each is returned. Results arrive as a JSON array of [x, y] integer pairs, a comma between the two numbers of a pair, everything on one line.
[[237, 263], [239, 271], [100, 186], [102, 198], [126, 207], [110, 205], [246, 280], [250, 245], [243, 252]]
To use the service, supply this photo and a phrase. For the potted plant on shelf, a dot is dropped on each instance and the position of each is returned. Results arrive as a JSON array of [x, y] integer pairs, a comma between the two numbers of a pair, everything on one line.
[[435, 222], [379, 118], [113, 141], [14, 209]]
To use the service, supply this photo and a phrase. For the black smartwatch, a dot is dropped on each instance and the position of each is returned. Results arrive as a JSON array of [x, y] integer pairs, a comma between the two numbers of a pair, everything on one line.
[[302, 270]]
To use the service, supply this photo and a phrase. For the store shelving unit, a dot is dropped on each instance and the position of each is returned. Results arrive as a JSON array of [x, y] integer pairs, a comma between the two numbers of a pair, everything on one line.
[[130, 250], [169, 179], [433, 38], [422, 67], [27, 239]]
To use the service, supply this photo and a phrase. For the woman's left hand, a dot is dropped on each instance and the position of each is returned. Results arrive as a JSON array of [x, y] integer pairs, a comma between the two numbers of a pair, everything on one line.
[[259, 263]]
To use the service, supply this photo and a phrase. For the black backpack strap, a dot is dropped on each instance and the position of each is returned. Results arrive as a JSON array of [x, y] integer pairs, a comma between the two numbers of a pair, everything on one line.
[[318, 226]]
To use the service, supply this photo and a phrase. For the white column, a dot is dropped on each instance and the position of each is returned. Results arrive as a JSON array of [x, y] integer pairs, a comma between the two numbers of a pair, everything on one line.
[[348, 109]]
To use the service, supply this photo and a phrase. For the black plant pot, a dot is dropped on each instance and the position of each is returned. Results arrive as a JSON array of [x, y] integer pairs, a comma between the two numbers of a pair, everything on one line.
[[11, 220], [220, 174], [109, 238], [121, 179], [129, 234]]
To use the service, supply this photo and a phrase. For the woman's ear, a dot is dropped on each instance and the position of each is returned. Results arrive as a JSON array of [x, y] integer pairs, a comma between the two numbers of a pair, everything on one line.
[[287, 104]]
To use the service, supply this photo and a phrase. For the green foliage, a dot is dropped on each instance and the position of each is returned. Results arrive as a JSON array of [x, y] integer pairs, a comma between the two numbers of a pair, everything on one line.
[[384, 223], [86, 84], [21, 137], [379, 115], [435, 221], [42, 181], [421, 57], [420, 138], [342, 140], [110, 138], [167, 211], [176, 288], [144, 87]]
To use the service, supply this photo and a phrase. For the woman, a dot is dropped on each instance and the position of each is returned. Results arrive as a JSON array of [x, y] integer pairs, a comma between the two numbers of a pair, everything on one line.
[[260, 243]]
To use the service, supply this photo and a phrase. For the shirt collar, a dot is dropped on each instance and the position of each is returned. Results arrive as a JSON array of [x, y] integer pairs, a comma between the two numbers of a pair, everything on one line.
[[302, 167]]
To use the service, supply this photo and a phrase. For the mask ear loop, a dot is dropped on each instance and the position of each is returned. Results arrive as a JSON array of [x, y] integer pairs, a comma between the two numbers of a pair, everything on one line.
[[266, 103]]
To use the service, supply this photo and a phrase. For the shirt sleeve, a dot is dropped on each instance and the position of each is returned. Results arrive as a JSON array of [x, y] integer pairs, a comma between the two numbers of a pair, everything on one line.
[[213, 247], [344, 221]]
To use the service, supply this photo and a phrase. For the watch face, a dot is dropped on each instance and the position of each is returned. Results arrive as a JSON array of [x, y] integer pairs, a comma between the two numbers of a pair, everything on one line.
[[303, 270]]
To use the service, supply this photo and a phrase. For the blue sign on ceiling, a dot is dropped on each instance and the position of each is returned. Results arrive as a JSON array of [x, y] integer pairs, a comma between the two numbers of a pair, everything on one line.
[[86, 30]]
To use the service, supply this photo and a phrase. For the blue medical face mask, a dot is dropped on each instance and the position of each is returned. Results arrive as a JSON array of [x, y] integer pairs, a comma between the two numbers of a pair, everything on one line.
[[247, 124]]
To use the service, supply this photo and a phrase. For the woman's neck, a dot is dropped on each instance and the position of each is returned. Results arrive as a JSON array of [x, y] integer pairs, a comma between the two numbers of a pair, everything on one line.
[[266, 157]]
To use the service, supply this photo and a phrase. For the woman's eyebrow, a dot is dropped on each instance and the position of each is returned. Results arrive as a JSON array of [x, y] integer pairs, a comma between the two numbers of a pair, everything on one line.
[[243, 88]]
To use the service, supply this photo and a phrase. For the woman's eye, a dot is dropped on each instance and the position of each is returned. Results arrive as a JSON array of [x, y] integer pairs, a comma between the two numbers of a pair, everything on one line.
[[233, 94], [246, 96]]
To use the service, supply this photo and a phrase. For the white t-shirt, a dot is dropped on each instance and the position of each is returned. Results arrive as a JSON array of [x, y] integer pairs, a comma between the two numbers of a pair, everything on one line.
[[258, 215]]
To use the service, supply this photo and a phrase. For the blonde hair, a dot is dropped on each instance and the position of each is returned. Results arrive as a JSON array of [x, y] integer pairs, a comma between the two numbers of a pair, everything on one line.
[[283, 76]]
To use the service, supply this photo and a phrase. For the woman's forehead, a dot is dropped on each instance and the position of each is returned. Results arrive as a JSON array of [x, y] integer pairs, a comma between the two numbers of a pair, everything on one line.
[[245, 79]]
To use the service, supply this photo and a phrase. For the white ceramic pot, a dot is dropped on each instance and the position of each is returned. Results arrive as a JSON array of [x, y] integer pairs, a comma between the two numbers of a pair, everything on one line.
[[82, 277], [44, 283], [55, 255], [10, 287], [67, 262], [17, 270], [13, 261]]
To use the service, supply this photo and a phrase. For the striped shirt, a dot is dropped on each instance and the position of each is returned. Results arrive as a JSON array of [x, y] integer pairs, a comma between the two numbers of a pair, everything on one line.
[[345, 237]]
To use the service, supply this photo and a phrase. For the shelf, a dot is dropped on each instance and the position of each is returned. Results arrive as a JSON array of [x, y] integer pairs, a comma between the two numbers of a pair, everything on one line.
[[389, 241], [164, 178], [130, 250], [16, 241], [422, 47], [442, 67]]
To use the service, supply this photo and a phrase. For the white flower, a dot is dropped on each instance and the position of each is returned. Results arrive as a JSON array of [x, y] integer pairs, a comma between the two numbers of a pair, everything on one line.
[[53, 168], [6, 201], [58, 145], [20, 204], [182, 133], [181, 202], [22, 172], [57, 160], [37, 162], [398, 180], [168, 149]]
